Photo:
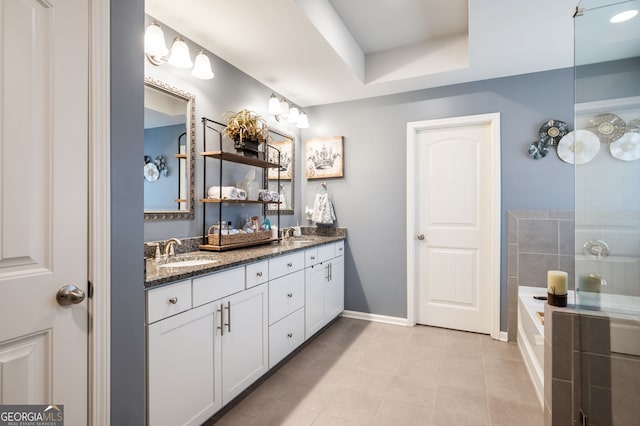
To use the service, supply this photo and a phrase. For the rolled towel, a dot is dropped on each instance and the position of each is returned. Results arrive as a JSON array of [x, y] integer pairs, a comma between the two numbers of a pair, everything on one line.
[[264, 195], [242, 194], [274, 196], [228, 192]]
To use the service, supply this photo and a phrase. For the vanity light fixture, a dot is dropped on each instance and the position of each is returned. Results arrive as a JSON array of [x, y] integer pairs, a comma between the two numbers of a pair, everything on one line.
[[281, 111], [623, 16], [178, 56]]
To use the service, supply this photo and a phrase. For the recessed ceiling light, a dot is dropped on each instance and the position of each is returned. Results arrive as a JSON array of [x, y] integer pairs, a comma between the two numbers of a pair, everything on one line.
[[623, 16]]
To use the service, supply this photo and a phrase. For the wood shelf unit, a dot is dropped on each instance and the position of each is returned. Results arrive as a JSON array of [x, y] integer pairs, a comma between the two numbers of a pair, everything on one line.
[[223, 156]]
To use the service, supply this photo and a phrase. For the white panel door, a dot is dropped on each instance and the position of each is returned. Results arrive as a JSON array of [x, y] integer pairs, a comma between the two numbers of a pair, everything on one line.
[[453, 224], [43, 203]]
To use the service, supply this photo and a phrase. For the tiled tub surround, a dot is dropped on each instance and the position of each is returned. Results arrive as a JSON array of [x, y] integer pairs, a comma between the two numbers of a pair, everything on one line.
[[538, 241], [155, 275]]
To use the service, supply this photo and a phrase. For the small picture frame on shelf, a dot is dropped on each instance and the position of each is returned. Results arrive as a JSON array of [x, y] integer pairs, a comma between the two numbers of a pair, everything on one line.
[[324, 157]]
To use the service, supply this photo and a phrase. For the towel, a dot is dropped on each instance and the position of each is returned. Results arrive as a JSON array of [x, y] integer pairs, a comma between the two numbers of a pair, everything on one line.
[[323, 212], [228, 192], [242, 194]]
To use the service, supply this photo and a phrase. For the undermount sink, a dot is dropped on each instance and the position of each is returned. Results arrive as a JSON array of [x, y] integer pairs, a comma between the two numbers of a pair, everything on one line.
[[189, 262]]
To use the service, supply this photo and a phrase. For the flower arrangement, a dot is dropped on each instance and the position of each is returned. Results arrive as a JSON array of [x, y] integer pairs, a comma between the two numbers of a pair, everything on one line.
[[246, 124]]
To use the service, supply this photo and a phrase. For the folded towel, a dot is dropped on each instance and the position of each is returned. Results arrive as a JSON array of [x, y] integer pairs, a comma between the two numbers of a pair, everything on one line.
[[264, 195], [242, 194], [228, 192]]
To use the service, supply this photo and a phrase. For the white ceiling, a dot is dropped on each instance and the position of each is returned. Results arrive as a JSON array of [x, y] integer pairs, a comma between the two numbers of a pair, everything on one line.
[[325, 51]]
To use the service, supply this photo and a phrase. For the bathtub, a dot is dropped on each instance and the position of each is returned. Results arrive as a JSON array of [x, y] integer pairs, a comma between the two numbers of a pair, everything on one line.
[[623, 312], [531, 335]]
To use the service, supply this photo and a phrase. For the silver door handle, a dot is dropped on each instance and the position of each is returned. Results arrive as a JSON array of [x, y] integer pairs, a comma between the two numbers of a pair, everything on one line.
[[69, 295], [228, 324], [421, 237]]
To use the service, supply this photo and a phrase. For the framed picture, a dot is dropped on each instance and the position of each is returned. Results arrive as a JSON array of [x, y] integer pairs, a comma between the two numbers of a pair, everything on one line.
[[324, 157], [286, 159]]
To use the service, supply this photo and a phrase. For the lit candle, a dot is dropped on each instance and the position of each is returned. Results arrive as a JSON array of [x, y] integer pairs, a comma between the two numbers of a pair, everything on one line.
[[557, 282]]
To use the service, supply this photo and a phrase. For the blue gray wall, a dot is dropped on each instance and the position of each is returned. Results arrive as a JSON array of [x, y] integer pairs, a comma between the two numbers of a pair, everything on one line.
[[127, 271], [371, 198]]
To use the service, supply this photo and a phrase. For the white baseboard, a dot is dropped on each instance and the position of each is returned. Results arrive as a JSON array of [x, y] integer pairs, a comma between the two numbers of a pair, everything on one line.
[[374, 317], [504, 337]]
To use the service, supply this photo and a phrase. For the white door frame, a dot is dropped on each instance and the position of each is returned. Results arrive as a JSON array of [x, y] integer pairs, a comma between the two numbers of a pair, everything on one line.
[[99, 339], [413, 128]]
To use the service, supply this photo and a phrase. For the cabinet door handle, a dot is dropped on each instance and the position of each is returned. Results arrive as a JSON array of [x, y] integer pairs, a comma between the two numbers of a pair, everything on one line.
[[290, 295], [290, 335], [259, 274], [228, 316], [173, 300], [313, 258], [221, 326], [290, 264], [327, 277], [331, 272]]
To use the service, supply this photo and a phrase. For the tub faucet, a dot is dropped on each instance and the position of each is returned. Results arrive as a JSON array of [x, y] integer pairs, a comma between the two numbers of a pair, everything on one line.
[[168, 246]]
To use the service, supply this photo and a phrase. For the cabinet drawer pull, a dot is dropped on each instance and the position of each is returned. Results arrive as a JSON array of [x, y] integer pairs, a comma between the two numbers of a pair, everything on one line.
[[221, 326], [290, 264], [173, 300], [340, 249], [313, 258], [228, 324], [290, 335], [259, 274], [289, 295]]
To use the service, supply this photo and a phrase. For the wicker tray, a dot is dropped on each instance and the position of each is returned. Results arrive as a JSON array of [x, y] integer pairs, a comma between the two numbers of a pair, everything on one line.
[[214, 239]]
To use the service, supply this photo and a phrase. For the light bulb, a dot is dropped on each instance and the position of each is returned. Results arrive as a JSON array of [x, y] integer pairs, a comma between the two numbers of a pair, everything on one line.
[[154, 44], [623, 16], [274, 105], [202, 67], [284, 107], [303, 121], [180, 57], [293, 114]]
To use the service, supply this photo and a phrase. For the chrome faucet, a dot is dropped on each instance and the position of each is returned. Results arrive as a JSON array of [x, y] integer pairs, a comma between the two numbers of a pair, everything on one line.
[[169, 246], [287, 232]]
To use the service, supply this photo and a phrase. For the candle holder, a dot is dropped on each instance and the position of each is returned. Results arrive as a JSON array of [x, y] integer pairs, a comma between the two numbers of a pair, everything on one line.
[[557, 299]]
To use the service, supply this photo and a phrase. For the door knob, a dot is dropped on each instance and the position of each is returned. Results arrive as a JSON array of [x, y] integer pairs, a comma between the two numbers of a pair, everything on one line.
[[69, 295], [421, 237]]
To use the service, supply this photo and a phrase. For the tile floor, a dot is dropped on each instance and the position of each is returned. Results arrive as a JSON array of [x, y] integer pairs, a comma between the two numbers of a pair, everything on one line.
[[364, 373]]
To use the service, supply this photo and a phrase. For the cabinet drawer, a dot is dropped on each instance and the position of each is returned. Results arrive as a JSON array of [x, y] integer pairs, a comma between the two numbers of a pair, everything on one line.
[[339, 248], [257, 273], [168, 300], [286, 294], [285, 335], [216, 286], [287, 264], [326, 252], [310, 257]]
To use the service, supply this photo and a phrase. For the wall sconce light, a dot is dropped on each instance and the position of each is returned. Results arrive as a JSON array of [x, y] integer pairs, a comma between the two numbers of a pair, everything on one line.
[[178, 56], [281, 110]]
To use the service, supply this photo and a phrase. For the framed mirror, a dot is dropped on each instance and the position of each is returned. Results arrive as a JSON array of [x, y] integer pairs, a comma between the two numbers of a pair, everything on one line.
[[284, 142], [169, 151]]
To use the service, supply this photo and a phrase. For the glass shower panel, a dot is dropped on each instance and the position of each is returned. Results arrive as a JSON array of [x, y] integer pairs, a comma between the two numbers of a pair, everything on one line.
[[605, 149]]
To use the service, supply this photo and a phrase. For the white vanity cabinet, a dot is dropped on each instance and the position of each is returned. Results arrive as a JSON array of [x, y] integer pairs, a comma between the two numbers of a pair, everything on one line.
[[324, 286], [181, 352], [243, 338], [212, 336]]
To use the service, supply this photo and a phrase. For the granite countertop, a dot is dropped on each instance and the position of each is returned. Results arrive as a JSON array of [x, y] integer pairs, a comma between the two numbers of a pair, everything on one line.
[[156, 274]]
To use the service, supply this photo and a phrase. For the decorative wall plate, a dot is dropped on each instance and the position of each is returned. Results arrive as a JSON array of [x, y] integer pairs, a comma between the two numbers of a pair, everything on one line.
[[151, 172], [608, 127], [538, 150], [552, 131], [578, 147], [634, 125], [626, 148]]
